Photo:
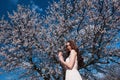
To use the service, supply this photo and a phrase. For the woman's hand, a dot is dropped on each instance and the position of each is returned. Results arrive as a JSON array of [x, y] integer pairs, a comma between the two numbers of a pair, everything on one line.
[[60, 55]]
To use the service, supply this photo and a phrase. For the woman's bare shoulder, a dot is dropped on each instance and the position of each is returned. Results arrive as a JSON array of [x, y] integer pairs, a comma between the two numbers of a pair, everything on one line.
[[73, 51]]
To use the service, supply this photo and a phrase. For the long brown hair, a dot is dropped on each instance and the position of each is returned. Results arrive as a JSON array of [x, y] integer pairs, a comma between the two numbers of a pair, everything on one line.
[[79, 57]]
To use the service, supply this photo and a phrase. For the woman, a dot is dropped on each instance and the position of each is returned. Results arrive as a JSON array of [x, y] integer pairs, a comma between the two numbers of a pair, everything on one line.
[[72, 61]]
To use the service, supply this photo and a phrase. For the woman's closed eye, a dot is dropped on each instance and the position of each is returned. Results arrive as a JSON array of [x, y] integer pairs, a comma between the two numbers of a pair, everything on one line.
[[67, 45]]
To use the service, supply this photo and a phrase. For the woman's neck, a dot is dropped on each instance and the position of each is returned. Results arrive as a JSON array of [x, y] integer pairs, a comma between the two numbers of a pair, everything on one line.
[[70, 50]]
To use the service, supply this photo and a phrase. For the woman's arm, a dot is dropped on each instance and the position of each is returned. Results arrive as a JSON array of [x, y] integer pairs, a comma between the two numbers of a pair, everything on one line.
[[60, 55], [65, 67], [71, 62]]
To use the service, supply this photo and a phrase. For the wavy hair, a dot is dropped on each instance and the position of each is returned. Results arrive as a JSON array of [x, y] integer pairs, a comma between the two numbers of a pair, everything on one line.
[[79, 57]]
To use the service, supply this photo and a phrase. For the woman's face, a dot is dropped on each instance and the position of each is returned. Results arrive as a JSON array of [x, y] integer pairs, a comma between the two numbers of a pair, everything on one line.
[[68, 46]]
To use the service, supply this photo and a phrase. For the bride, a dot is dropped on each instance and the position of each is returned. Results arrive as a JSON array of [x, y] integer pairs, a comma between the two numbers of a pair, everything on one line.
[[73, 61]]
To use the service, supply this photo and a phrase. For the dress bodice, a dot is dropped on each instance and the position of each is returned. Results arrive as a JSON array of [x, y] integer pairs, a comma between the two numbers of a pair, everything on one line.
[[73, 74], [75, 64]]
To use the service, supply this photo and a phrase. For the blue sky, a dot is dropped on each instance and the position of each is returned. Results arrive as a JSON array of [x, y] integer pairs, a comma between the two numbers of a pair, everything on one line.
[[10, 5]]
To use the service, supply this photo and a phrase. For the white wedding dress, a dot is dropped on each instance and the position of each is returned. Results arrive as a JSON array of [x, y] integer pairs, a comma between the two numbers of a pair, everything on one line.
[[74, 73]]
